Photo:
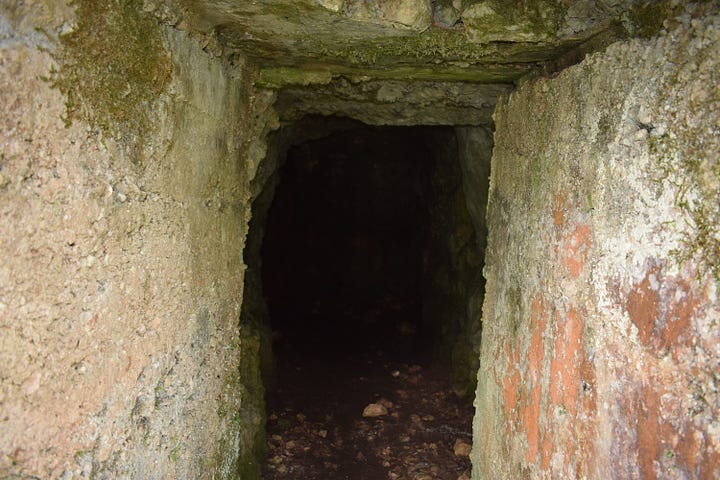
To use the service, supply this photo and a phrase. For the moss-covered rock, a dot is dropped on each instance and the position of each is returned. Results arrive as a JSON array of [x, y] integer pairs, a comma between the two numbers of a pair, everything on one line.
[[526, 21], [647, 17], [491, 40], [285, 76], [112, 66], [602, 244], [414, 14]]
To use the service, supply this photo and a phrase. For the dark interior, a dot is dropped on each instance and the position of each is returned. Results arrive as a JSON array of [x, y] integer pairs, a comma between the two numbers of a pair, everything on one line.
[[345, 240], [356, 239]]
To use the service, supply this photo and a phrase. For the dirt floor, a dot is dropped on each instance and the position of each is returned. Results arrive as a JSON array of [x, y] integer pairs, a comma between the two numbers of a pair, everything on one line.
[[387, 412]]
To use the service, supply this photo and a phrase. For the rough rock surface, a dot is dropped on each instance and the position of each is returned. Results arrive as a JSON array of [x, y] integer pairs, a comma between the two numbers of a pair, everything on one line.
[[394, 102], [453, 287], [600, 339], [402, 39], [119, 341], [415, 14]]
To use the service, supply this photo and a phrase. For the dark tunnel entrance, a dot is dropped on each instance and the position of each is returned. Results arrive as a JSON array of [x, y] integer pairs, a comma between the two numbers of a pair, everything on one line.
[[369, 260], [345, 238]]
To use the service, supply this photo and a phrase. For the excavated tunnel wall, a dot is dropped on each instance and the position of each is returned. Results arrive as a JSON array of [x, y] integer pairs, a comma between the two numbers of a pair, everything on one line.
[[600, 325], [121, 268]]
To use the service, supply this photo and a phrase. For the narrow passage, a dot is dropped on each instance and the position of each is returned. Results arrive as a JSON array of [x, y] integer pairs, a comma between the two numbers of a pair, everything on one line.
[[357, 391]]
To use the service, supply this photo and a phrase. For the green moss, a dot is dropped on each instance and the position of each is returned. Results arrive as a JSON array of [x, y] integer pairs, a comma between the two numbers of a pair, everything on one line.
[[647, 17], [175, 451], [695, 180], [81, 455], [429, 47], [249, 466], [277, 78], [433, 43], [112, 66], [517, 21], [252, 414], [465, 363], [514, 299], [283, 76], [243, 446], [494, 74], [225, 461], [688, 157]]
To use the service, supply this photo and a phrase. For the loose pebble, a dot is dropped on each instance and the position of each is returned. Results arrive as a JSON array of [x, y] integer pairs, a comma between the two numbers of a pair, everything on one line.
[[375, 410], [462, 448]]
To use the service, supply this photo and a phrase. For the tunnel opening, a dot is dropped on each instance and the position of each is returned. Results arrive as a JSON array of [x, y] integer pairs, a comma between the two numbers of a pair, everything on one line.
[[345, 240], [361, 246]]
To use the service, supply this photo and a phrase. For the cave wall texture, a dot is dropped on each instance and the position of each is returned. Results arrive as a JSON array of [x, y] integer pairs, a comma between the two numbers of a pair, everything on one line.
[[453, 283], [121, 266], [600, 332]]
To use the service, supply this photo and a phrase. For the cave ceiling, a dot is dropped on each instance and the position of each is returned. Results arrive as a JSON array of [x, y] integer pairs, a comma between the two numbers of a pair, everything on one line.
[[490, 41]]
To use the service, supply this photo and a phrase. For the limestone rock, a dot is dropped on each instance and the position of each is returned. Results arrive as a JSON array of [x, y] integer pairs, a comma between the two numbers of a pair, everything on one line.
[[333, 5], [445, 13], [462, 448], [485, 22], [375, 410], [414, 14]]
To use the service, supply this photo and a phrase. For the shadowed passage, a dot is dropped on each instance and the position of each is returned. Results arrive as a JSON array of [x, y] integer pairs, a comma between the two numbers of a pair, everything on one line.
[[345, 263]]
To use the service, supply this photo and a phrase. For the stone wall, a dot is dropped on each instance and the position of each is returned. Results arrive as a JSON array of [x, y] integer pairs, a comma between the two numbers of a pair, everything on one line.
[[121, 279], [600, 334], [453, 284]]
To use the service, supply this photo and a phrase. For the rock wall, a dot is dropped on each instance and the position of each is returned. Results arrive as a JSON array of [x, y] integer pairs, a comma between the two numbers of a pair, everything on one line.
[[121, 279], [453, 283], [600, 334], [475, 145]]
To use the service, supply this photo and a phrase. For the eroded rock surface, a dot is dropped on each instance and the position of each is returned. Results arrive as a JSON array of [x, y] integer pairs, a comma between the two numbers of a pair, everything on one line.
[[600, 336], [406, 39], [120, 343]]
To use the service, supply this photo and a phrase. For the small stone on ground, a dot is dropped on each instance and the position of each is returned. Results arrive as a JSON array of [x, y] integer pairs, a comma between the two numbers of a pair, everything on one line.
[[375, 410]]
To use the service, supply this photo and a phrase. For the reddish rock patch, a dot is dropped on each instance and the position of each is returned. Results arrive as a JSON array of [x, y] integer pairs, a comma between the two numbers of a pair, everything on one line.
[[643, 306], [576, 248], [535, 355], [546, 452], [666, 438], [564, 367], [587, 413], [521, 382], [681, 307], [650, 431], [572, 379], [559, 209], [662, 310]]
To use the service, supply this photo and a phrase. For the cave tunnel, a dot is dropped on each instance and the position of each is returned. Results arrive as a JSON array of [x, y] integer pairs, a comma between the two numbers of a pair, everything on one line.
[[364, 259], [256, 239], [345, 239]]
